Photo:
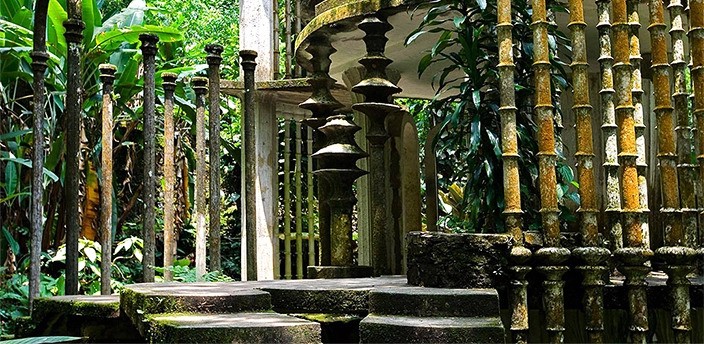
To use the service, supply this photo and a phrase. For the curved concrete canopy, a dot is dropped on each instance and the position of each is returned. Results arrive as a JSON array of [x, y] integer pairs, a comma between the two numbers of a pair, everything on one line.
[[340, 24]]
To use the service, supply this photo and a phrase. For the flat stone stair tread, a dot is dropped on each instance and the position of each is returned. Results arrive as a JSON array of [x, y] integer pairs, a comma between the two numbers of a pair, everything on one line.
[[259, 327], [335, 296], [434, 302], [98, 306], [139, 300], [409, 329]]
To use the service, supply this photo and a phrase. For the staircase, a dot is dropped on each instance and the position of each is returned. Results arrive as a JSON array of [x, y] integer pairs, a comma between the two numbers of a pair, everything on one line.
[[432, 315]]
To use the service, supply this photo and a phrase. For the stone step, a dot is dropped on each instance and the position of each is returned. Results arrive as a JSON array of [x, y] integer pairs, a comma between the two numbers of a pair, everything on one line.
[[434, 302], [261, 327], [139, 300], [408, 329], [95, 318]]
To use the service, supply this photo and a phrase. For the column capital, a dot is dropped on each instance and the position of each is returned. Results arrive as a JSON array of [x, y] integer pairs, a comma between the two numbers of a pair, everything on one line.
[[214, 54], [107, 73], [200, 85], [248, 59], [169, 81], [74, 30], [149, 43]]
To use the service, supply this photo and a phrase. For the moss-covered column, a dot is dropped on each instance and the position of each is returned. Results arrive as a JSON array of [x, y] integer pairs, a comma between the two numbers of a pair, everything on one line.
[[696, 37], [39, 59], [341, 154], [250, 169], [512, 192], [169, 85], [550, 257], [377, 90], [214, 59], [107, 76], [321, 105], [677, 257], [638, 116], [200, 86], [685, 168], [612, 196], [591, 257], [73, 115], [149, 50], [634, 255]]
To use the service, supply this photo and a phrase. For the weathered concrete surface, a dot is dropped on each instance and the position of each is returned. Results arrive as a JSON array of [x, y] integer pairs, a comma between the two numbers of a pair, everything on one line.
[[96, 318], [232, 328], [405, 329], [337, 296], [355, 271], [457, 260], [434, 302], [140, 300]]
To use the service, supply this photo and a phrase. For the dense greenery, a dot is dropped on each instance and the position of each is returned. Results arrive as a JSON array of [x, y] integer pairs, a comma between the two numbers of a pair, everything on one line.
[[466, 107], [111, 36]]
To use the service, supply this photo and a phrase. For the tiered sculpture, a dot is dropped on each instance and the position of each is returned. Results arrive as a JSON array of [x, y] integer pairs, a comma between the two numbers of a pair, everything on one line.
[[377, 90]]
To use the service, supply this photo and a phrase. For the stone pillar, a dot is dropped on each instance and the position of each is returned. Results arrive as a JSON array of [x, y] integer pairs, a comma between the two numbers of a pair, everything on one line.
[[214, 59], [258, 35], [107, 76], [169, 85], [377, 90], [74, 37], [200, 86], [322, 105], [340, 155], [149, 50]]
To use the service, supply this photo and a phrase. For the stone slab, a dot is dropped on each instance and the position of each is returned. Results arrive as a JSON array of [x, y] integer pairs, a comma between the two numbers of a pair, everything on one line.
[[332, 296], [404, 329], [260, 327], [327, 272], [100, 306], [434, 302], [139, 300]]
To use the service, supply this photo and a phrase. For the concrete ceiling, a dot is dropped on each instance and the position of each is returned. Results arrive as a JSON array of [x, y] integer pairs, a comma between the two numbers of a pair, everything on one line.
[[350, 47]]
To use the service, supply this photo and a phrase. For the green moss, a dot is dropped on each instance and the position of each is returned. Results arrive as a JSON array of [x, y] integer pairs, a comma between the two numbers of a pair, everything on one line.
[[324, 318], [79, 305]]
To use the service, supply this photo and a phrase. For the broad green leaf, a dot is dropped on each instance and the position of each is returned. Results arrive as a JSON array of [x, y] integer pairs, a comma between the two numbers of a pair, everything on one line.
[[130, 16], [56, 41], [10, 178], [14, 245], [90, 254], [14, 134], [41, 340], [113, 39]]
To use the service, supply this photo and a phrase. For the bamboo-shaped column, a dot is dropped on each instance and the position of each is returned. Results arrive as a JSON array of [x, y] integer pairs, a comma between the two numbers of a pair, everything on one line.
[[512, 193], [287, 200], [39, 59], [149, 49], [634, 256], [638, 115], [107, 77], [552, 255], [696, 37], [377, 89], [677, 257], [169, 85], [340, 154], [214, 59], [686, 170], [74, 36], [250, 172], [200, 86], [322, 105], [590, 256], [612, 202], [309, 198], [299, 202]]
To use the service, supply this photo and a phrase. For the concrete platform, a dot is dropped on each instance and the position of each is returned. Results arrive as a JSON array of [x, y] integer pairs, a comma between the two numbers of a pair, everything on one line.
[[262, 327]]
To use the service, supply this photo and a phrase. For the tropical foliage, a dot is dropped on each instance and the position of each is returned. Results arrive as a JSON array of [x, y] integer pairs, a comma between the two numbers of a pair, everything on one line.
[[466, 107], [111, 36]]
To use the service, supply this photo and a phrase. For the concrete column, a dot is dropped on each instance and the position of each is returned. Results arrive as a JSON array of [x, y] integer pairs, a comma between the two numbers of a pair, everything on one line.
[[257, 33]]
